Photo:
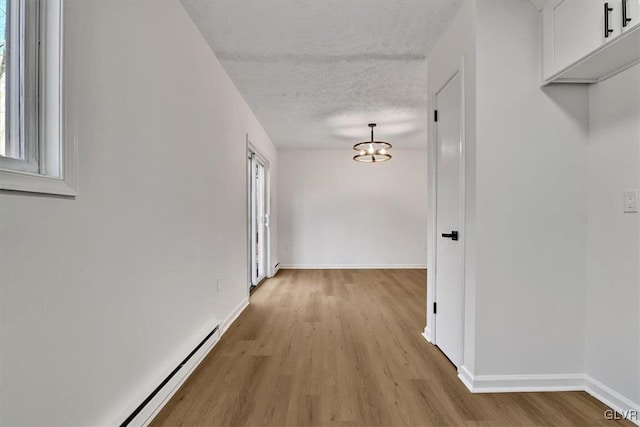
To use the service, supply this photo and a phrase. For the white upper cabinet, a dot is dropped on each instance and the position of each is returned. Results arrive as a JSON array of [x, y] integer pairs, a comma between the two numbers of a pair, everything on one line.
[[570, 29], [631, 10], [585, 41]]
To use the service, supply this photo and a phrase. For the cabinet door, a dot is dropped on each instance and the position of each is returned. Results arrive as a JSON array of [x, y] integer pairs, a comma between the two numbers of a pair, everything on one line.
[[574, 28], [633, 13]]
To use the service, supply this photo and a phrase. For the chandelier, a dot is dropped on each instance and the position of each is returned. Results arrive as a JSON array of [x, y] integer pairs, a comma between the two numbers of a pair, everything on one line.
[[372, 151]]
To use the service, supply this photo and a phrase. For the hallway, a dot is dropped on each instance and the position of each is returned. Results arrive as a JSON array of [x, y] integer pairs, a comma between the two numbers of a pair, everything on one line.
[[343, 347]]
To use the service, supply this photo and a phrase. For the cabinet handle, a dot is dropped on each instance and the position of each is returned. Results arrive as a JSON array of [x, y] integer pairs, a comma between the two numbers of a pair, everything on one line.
[[607, 10], [625, 20]]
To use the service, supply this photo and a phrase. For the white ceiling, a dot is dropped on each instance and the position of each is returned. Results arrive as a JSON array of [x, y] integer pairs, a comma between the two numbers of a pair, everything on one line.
[[316, 72]]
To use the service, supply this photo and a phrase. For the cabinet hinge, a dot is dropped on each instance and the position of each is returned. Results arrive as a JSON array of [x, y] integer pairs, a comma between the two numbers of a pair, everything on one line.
[[435, 308], [435, 115]]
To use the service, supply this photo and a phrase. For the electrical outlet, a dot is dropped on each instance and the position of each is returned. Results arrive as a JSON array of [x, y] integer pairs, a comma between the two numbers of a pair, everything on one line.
[[631, 201], [218, 283]]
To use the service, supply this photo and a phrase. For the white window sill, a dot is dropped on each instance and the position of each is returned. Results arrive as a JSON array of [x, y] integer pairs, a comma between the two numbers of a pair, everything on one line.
[[34, 183]]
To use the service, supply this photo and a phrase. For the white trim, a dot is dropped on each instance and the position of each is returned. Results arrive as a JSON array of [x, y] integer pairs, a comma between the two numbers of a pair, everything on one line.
[[612, 398], [520, 383], [352, 266], [427, 335], [549, 383], [431, 214], [34, 183], [224, 326], [466, 377], [248, 228], [463, 202]]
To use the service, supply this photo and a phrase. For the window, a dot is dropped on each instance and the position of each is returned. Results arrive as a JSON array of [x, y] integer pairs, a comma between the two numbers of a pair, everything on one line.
[[35, 156]]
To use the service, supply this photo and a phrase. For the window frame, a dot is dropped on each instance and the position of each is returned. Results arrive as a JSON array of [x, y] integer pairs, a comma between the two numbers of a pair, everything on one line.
[[20, 154], [50, 149]]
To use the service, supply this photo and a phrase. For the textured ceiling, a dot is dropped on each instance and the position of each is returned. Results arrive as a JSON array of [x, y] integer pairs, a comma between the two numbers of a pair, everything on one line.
[[316, 72]]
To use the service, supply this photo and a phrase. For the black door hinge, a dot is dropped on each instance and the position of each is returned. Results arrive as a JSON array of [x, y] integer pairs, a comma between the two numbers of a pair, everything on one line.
[[435, 308], [435, 115]]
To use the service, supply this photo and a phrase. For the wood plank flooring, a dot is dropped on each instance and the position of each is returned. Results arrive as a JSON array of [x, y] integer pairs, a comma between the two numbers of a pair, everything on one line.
[[343, 348]]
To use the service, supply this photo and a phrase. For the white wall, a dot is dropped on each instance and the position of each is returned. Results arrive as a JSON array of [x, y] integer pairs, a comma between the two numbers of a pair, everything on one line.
[[525, 196], [548, 242], [531, 202], [335, 212], [101, 295], [613, 296]]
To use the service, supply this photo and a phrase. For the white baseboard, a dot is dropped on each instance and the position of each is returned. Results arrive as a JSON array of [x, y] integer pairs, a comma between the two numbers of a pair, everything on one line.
[[544, 383], [353, 266], [466, 377], [233, 316], [428, 335], [521, 383], [613, 399]]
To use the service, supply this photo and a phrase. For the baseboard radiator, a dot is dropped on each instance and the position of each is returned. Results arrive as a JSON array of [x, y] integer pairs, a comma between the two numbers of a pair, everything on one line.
[[150, 406]]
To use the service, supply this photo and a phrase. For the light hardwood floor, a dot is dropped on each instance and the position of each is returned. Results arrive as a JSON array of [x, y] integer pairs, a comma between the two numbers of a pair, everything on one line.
[[343, 348]]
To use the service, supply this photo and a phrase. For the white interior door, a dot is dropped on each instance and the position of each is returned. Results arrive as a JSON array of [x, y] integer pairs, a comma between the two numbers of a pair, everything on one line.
[[257, 192], [448, 324]]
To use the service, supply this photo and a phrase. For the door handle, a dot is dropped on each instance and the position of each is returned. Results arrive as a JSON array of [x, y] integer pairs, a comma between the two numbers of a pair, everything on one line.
[[607, 30], [625, 19], [453, 235]]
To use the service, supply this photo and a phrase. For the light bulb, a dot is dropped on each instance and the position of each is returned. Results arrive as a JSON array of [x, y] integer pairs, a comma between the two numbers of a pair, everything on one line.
[[383, 151], [362, 152], [370, 150]]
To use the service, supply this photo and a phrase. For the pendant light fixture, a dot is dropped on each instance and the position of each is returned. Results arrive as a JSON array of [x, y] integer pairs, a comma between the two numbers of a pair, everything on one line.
[[372, 151]]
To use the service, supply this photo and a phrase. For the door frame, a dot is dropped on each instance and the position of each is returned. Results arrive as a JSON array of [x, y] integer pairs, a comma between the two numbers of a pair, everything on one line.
[[432, 239], [268, 270]]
